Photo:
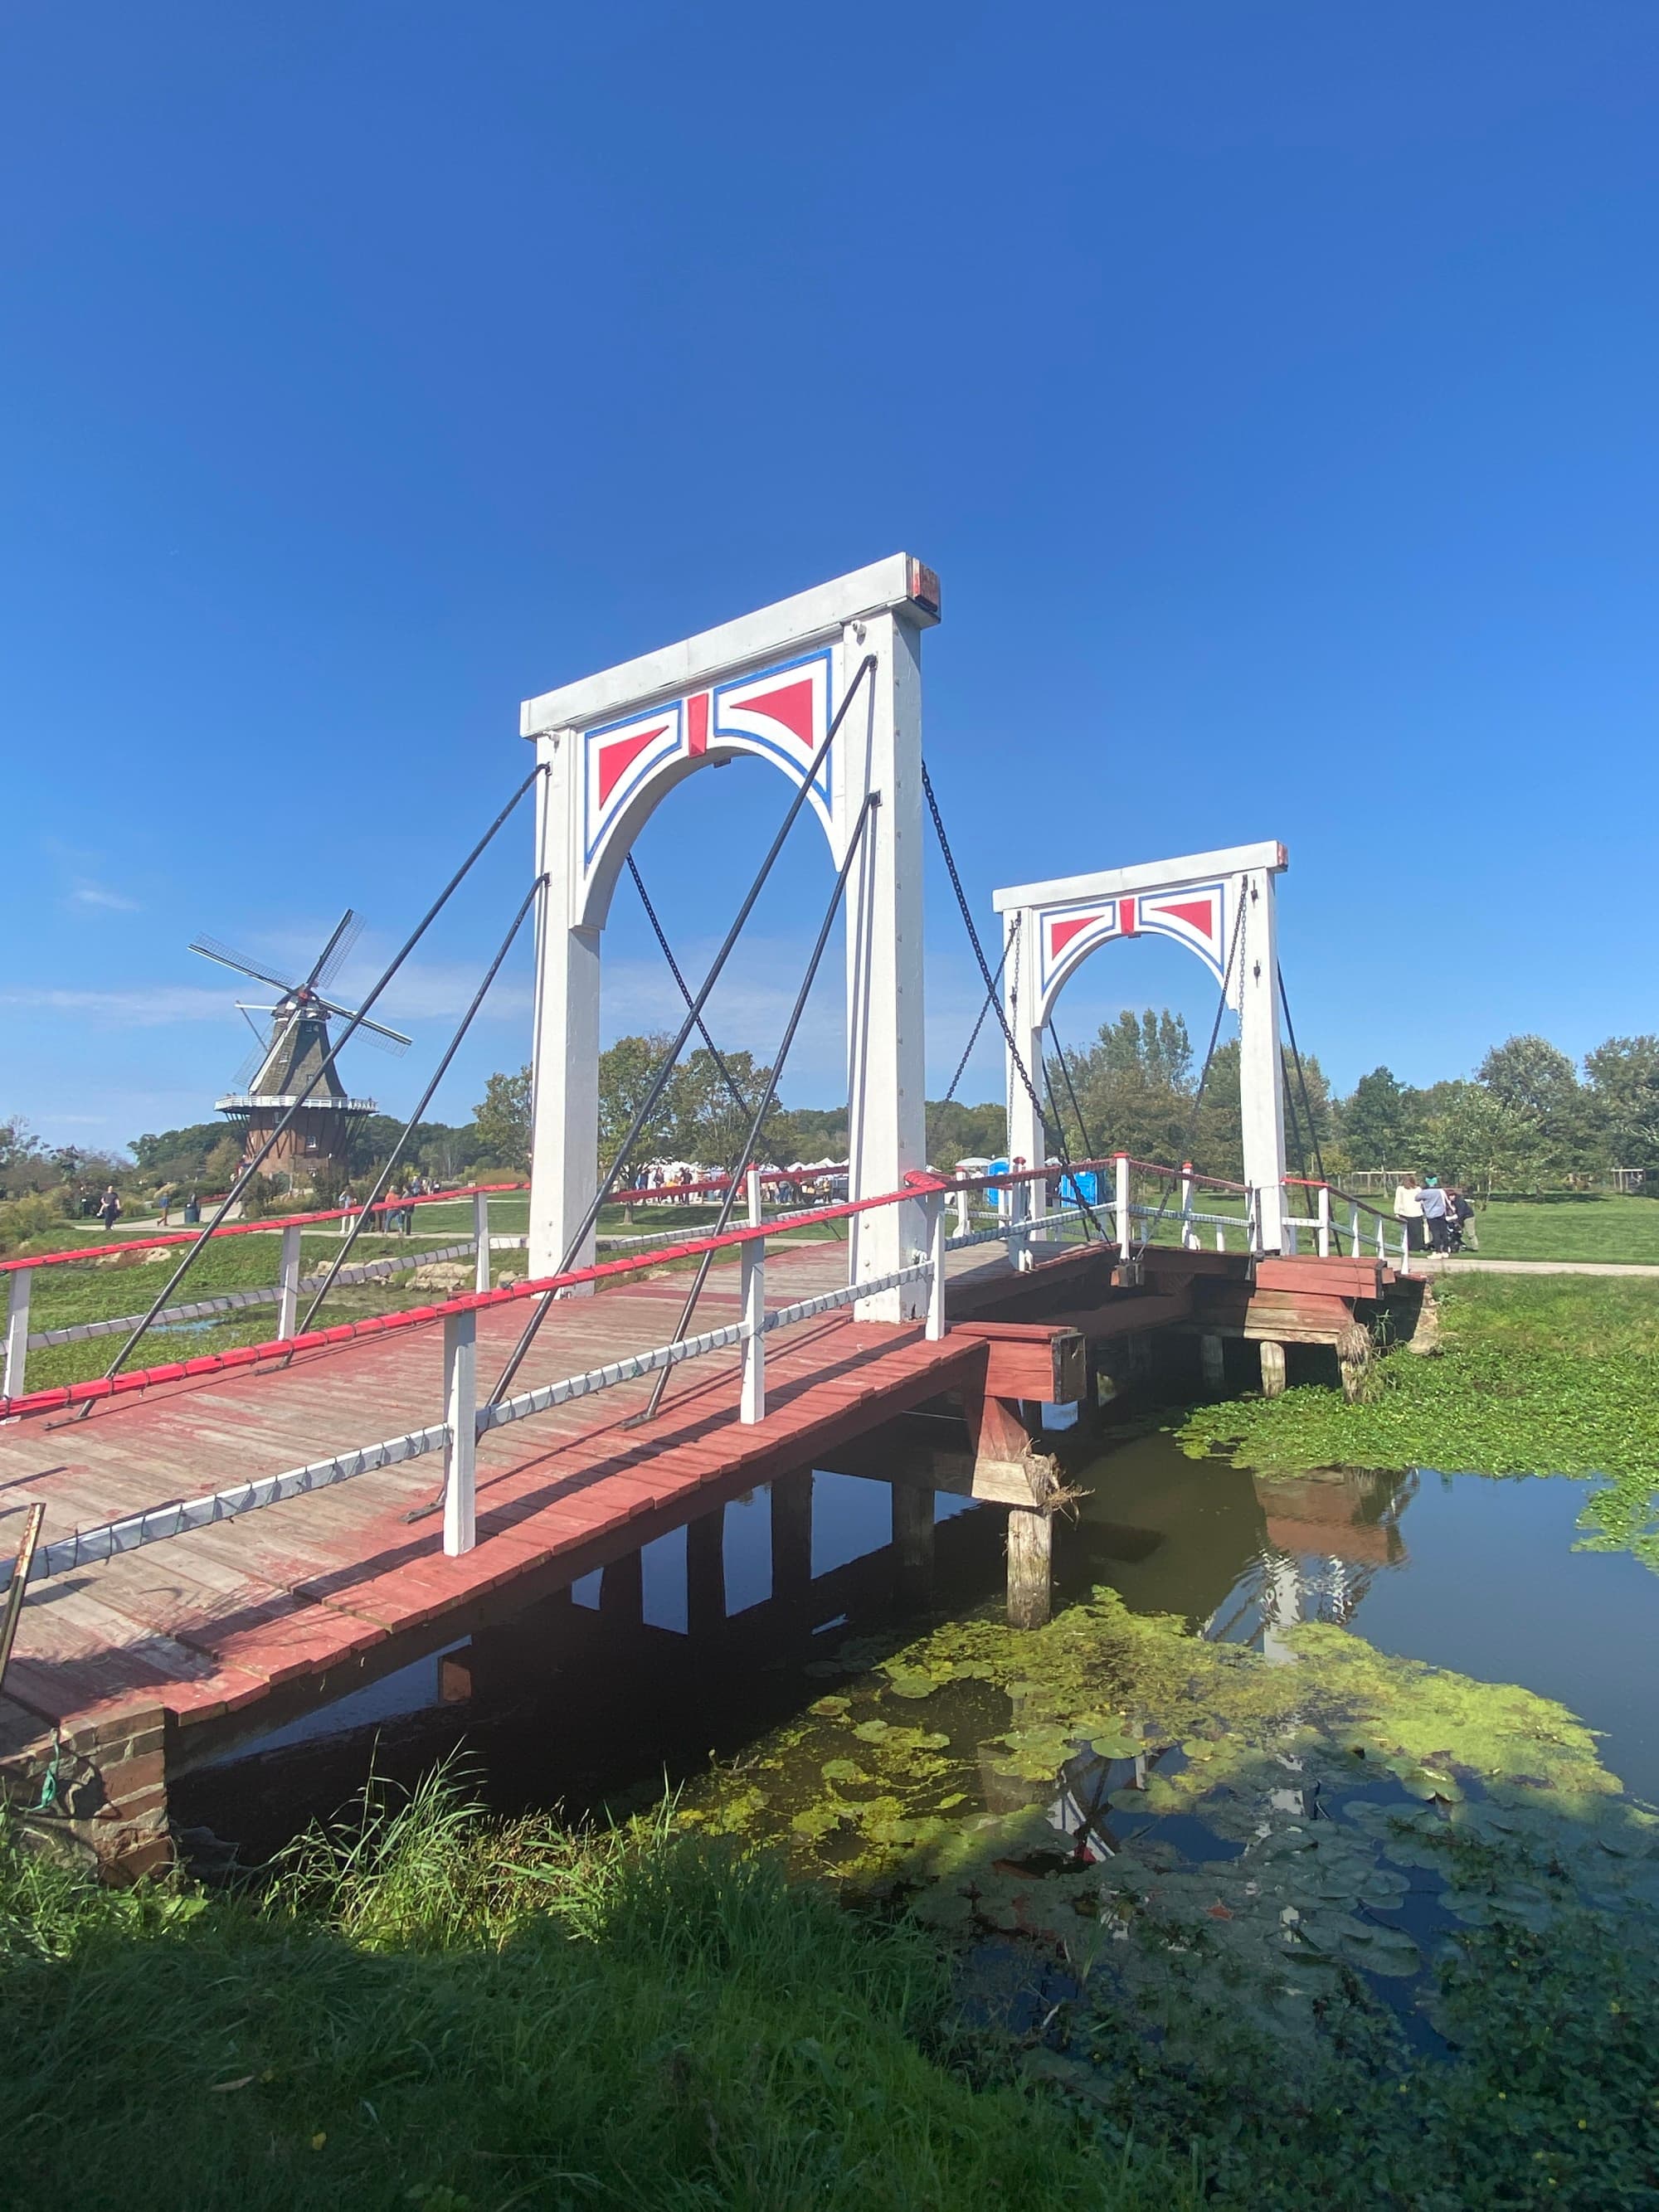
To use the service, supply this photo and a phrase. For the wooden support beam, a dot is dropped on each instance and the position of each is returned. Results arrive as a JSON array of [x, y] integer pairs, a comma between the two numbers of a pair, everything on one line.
[[913, 1544], [1213, 1362], [1273, 1368], [705, 1572], [1031, 1567], [791, 1534], [1036, 1360], [621, 1589]]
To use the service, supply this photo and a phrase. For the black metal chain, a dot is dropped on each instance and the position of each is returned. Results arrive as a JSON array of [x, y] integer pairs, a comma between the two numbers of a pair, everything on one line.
[[1014, 1053], [986, 1005], [1307, 1101], [1089, 1152]]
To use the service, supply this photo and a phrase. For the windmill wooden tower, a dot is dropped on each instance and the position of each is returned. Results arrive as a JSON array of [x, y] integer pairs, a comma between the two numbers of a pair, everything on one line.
[[283, 1062]]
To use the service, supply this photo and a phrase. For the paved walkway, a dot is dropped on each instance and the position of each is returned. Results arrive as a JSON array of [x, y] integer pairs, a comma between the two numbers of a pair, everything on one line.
[[1427, 1263]]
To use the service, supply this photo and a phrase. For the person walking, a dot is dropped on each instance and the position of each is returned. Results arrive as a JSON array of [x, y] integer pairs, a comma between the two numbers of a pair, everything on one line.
[[1408, 1209], [109, 1209], [1432, 1200]]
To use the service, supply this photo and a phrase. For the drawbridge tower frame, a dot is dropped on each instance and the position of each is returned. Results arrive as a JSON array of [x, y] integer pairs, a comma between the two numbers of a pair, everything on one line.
[[615, 745], [1221, 906]]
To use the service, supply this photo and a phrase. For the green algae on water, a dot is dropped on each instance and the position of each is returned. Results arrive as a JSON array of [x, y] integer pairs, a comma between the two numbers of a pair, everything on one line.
[[1192, 1831]]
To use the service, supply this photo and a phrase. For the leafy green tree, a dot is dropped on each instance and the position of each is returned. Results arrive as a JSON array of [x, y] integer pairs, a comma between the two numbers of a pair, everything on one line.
[[1132, 1085], [1482, 1144], [177, 1154], [957, 1132], [1530, 1077], [1624, 1082], [1378, 1123], [500, 1122]]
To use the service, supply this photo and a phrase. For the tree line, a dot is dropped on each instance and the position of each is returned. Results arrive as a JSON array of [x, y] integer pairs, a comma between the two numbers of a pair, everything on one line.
[[1529, 1119]]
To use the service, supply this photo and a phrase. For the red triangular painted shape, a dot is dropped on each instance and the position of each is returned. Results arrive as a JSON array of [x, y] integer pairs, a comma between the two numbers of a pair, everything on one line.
[[1125, 916], [1060, 934], [697, 724], [1199, 913], [790, 704], [616, 759]]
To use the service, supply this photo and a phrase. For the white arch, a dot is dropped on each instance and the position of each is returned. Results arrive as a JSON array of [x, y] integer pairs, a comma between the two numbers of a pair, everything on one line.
[[615, 745], [1222, 907]]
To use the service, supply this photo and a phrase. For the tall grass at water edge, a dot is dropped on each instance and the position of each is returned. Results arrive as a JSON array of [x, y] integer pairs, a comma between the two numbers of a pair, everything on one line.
[[422, 2008]]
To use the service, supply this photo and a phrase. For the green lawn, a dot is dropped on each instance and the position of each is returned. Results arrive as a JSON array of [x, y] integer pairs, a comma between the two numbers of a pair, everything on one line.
[[1592, 1227]]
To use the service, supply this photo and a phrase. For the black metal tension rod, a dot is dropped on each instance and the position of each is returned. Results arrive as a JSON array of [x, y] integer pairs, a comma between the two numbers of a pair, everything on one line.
[[871, 801], [408, 1127], [648, 1105], [251, 1167], [733, 1090]]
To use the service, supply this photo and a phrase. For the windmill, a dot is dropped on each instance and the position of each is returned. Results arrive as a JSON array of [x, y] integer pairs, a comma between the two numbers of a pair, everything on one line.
[[286, 1058]]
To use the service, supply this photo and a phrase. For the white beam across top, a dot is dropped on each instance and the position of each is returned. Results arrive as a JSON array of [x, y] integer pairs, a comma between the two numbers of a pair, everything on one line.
[[1146, 876], [788, 625]]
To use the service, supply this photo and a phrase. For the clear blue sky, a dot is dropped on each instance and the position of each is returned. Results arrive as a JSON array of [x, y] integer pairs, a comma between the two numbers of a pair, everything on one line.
[[1273, 388]]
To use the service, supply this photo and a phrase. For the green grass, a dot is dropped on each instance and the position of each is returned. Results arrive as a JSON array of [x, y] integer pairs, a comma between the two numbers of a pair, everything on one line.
[[1558, 1375], [1592, 1227], [435, 2012]]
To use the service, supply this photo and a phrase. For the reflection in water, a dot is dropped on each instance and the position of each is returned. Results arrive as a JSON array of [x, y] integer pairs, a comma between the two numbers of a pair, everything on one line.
[[1242, 1557], [580, 1705]]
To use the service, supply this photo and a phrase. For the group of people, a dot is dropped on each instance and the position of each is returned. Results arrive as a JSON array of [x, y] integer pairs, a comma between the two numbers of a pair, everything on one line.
[[398, 1219], [1435, 1216]]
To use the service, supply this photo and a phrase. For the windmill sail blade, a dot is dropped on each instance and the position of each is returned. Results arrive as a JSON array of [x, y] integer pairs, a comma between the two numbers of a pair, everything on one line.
[[212, 949], [249, 1068], [395, 1038], [333, 955]]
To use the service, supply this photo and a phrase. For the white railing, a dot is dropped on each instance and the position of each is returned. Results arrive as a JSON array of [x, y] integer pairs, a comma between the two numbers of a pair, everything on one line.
[[284, 1294], [1365, 1225], [465, 1419]]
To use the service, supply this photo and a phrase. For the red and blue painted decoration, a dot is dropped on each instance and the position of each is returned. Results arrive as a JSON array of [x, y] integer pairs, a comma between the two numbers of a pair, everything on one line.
[[780, 713], [1194, 914]]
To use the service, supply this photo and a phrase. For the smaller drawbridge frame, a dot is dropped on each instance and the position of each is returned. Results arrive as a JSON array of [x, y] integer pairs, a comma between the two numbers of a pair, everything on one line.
[[1222, 907]]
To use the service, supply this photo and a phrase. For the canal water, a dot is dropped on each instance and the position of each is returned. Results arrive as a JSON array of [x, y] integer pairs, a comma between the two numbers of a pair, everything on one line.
[[587, 1710]]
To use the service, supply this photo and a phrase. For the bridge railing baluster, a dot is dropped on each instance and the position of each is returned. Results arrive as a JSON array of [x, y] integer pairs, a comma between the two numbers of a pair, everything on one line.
[[752, 1407], [17, 1330]]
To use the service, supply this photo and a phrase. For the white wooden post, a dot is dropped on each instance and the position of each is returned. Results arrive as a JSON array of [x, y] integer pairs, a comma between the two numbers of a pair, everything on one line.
[[1324, 1221], [1290, 1226], [1353, 1227], [753, 1408], [1018, 1195], [1220, 1239], [288, 1304], [612, 745], [461, 1418], [936, 1257], [1188, 1234], [481, 1232], [963, 1218], [17, 1331], [1121, 1202], [1260, 1068]]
